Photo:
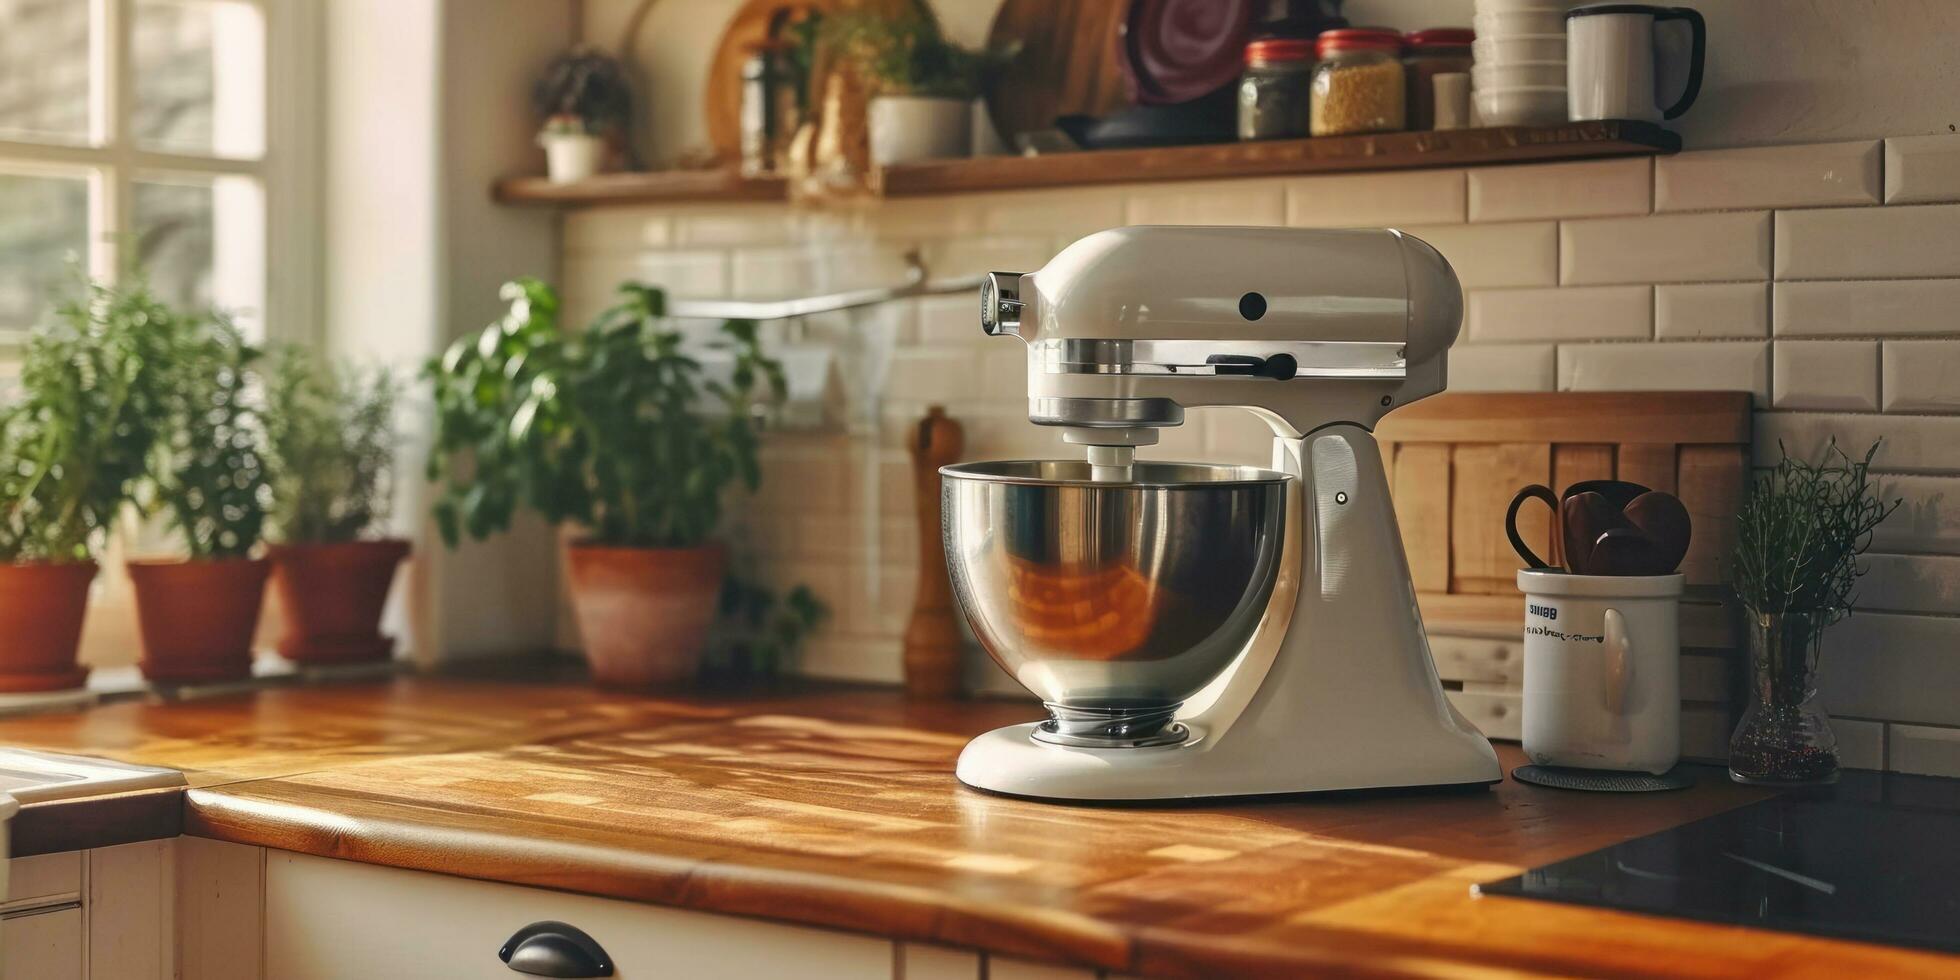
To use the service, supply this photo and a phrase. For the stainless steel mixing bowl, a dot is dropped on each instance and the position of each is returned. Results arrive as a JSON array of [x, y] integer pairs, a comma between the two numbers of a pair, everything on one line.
[[1113, 602]]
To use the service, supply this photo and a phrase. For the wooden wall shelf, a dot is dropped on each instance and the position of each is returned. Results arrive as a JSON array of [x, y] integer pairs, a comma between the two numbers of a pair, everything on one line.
[[648, 187], [1336, 154]]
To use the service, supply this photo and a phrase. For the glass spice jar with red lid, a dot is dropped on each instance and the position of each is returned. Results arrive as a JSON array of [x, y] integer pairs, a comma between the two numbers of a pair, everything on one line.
[[1426, 54], [1359, 85], [1273, 92]]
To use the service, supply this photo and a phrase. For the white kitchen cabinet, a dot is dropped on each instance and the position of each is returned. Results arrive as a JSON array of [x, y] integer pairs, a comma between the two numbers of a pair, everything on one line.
[[102, 914], [195, 909], [42, 944], [327, 919]]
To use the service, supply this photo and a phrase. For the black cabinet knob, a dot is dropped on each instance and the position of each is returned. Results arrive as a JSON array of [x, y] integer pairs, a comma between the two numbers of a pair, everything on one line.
[[555, 949]]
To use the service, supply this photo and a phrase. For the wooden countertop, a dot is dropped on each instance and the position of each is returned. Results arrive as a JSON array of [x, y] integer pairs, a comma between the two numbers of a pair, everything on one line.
[[838, 808]]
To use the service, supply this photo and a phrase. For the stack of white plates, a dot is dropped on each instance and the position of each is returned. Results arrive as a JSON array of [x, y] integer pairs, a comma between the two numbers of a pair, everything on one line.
[[1519, 75]]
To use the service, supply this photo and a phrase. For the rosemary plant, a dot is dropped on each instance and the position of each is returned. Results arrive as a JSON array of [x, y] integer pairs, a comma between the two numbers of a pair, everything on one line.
[[1800, 531]]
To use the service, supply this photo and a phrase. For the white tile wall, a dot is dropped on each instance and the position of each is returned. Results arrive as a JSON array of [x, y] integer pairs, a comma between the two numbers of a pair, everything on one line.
[[1928, 519], [1503, 367], [1911, 583], [1874, 308], [1869, 243], [1826, 375], [1724, 366], [1666, 248], [1922, 169], [1516, 254], [1768, 177], [1910, 443], [1595, 188], [1861, 744], [1929, 751], [1571, 282], [1711, 311], [1595, 313], [1922, 376], [1227, 202], [1900, 668], [1416, 197]]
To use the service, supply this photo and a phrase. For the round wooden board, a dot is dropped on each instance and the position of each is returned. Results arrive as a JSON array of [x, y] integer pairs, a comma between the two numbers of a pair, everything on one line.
[[722, 107], [1068, 63]]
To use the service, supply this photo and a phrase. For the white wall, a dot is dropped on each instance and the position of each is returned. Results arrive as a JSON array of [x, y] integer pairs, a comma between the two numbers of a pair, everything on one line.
[[424, 109], [1779, 71]]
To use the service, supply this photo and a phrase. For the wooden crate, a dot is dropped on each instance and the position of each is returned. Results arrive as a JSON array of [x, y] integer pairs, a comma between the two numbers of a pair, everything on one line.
[[1455, 460]]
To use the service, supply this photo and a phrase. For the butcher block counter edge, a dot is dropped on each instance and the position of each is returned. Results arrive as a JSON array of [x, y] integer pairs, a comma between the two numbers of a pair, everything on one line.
[[1409, 927]]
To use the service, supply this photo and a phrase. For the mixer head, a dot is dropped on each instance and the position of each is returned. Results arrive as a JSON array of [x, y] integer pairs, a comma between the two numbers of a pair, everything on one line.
[[1127, 328]]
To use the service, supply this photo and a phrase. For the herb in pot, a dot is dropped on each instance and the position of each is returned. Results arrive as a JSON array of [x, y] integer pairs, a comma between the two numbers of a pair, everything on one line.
[[618, 430], [330, 436], [209, 480], [78, 436], [1799, 533]]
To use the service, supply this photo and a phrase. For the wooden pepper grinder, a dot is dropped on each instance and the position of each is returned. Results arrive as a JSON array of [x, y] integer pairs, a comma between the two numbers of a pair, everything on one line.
[[932, 638]]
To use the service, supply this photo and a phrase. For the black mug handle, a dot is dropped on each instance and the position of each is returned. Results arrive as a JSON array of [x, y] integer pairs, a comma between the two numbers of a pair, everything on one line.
[[1699, 50], [1540, 492]]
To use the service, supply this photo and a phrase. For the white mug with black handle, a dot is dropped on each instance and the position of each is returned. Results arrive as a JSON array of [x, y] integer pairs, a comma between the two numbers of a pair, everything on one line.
[[1611, 55]]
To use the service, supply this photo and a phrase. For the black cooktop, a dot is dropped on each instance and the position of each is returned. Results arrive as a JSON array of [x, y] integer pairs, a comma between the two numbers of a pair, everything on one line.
[[1875, 858]]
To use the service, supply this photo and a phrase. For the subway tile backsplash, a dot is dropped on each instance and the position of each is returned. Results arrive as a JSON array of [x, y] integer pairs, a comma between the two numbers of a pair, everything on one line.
[[1666, 248], [1813, 175], [1772, 270]]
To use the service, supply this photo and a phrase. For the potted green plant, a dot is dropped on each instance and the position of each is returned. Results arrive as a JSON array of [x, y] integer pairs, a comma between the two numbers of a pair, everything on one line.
[[330, 447], [1799, 533], [583, 99], [77, 439], [617, 430], [196, 616], [921, 86]]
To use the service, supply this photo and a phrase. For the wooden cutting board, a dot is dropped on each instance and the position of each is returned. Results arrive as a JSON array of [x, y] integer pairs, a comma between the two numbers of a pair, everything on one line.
[[1068, 63]]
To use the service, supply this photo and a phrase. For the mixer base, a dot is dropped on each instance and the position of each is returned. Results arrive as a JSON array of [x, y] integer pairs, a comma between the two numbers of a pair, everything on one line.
[[1015, 761]]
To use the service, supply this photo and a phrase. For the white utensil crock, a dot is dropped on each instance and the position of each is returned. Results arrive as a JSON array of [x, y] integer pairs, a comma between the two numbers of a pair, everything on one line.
[[1602, 670], [905, 128], [1610, 55]]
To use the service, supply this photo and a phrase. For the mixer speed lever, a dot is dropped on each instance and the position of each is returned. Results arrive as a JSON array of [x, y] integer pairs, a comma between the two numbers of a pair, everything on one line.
[[1279, 367]]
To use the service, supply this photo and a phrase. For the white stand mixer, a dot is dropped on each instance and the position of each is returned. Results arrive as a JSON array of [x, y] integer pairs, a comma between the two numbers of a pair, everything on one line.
[[1211, 631]]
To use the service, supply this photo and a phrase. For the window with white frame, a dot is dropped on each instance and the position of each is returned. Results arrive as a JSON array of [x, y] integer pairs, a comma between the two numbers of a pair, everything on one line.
[[133, 134], [167, 136]]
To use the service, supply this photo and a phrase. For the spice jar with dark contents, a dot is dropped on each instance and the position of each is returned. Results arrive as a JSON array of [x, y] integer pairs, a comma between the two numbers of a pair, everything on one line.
[[1273, 92], [1358, 86], [1426, 54]]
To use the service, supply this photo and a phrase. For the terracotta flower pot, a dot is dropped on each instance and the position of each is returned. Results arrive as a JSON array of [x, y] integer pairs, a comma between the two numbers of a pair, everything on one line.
[[644, 613], [332, 596], [197, 617], [41, 609]]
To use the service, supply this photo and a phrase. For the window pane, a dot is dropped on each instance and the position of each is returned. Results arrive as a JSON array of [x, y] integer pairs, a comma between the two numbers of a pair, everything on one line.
[[44, 70], [199, 77], [201, 241], [43, 236]]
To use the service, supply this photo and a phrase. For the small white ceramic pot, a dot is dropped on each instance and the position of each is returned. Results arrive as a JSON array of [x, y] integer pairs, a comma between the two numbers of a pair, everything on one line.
[[905, 128], [571, 157], [1602, 670]]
